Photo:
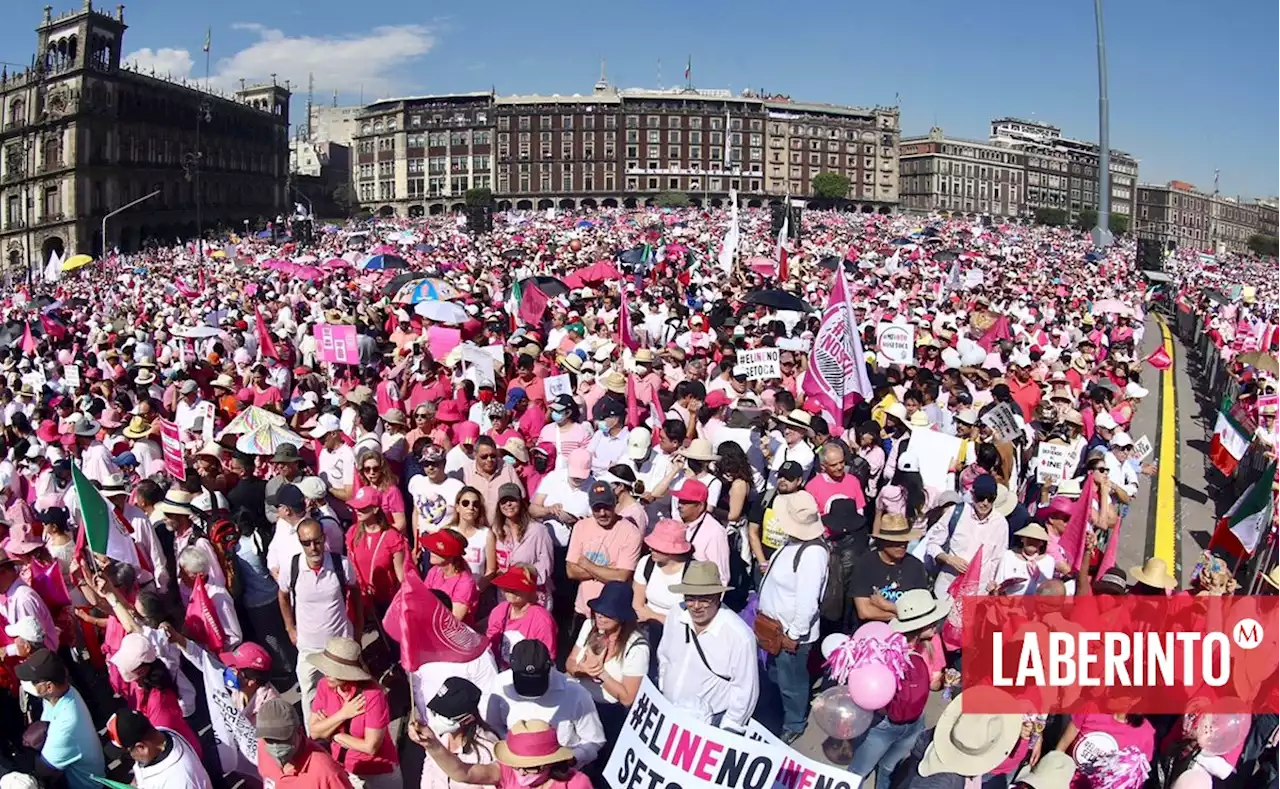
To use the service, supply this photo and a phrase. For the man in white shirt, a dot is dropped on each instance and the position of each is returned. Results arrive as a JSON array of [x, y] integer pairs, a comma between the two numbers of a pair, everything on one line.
[[337, 462], [189, 406], [793, 444], [161, 757], [791, 594], [533, 689], [608, 444], [1123, 477], [707, 657]]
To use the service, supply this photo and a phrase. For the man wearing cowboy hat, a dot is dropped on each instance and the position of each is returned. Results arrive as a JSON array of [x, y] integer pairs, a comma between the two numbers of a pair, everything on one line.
[[881, 576], [789, 443], [95, 461], [790, 597], [963, 745], [707, 657]]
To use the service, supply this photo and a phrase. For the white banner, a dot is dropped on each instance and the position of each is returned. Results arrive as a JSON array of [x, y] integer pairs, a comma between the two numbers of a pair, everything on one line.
[[761, 364], [1001, 420], [934, 453], [798, 771], [895, 342], [71, 377], [207, 413], [235, 735], [1052, 460], [662, 746]]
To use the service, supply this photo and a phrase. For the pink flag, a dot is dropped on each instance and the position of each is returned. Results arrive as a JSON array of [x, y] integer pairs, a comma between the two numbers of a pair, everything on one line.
[[533, 302], [998, 331], [837, 373], [28, 341], [48, 582], [1159, 359], [1073, 538], [202, 624], [625, 335], [265, 343], [964, 585], [633, 405], [426, 631]]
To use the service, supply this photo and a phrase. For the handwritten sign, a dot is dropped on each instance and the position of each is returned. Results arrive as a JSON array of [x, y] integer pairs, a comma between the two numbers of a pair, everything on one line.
[[1002, 422], [663, 746], [761, 364], [71, 376], [1053, 460], [171, 449], [479, 365], [337, 343], [234, 734], [556, 385], [1141, 448], [895, 342]]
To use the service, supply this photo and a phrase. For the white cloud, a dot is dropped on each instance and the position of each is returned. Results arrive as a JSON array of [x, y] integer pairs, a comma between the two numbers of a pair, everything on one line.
[[349, 64]]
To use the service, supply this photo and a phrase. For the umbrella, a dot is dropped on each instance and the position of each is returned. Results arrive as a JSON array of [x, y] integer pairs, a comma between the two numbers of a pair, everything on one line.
[[513, 254], [251, 419], [603, 271], [384, 262], [585, 223], [548, 285], [264, 234], [336, 263], [1260, 360], [442, 312], [831, 261], [778, 300], [765, 267], [196, 332], [399, 281], [425, 289], [267, 439], [76, 261], [633, 256], [898, 242], [308, 273], [946, 256], [1104, 306], [218, 253]]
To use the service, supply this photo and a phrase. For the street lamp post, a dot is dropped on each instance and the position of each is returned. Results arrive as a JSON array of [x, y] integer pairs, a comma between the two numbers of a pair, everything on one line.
[[1102, 231], [120, 210], [191, 168]]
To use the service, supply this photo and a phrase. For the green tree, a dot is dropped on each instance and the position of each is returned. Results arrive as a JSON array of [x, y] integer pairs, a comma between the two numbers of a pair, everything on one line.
[[830, 186], [672, 200], [1264, 245], [1055, 217], [1119, 223], [1086, 219], [479, 196]]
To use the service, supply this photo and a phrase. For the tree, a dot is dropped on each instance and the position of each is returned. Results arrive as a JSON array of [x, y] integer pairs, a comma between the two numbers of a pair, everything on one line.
[[1119, 223], [1263, 245], [344, 196], [830, 186], [672, 200], [1086, 219], [1054, 217], [479, 196]]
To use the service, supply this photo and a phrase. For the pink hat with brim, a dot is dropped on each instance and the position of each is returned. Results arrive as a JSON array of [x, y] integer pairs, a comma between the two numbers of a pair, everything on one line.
[[669, 537], [1060, 506]]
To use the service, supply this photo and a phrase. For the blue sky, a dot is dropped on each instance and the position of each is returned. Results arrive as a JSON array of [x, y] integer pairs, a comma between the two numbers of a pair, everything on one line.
[[1193, 84]]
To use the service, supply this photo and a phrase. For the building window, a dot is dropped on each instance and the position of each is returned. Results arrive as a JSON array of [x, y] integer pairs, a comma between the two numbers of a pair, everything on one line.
[[673, 135], [653, 121], [566, 121], [633, 121]]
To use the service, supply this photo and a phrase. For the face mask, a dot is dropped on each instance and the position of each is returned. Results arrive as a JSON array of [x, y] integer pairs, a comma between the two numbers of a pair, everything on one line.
[[509, 460], [230, 679], [540, 465], [602, 425], [533, 779], [558, 416], [485, 397], [282, 752], [441, 725], [28, 687]]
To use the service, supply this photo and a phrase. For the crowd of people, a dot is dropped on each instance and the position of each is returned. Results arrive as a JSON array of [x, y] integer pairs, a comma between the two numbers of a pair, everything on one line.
[[548, 438]]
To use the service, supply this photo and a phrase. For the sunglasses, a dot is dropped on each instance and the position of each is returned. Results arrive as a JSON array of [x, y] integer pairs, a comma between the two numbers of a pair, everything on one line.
[[312, 543], [486, 455], [469, 503], [368, 469], [984, 498], [421, 416]]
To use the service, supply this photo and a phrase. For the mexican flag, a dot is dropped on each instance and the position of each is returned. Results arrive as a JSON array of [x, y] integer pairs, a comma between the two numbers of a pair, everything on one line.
[[1241, 529], [1230, 441], [102, 531]]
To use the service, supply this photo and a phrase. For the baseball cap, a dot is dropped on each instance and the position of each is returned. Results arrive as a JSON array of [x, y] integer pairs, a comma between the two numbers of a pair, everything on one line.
[[248, 655], [639, 443], [1105, 421], [1121, 439], [127, 728], [692, 490], [135, 652], [290, 496], [27, 628], [602, 495], [432, 454], [790, 470], [43, 665], [607, 407], [276, 720], [365, 498], [716, 399], [580, 463], [325, 424], [187, 387], [509, 491], [530, 668], [456, 697]]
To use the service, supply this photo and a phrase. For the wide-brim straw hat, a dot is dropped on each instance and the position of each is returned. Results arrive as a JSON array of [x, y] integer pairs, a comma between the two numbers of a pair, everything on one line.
[[1033, 531], [971, 744], [917, 609], [340, 660], [700, 449], [1154, 573], [531, 743], [797, 515], [798, 419], [700, 578], [137, 428], [895, 528]]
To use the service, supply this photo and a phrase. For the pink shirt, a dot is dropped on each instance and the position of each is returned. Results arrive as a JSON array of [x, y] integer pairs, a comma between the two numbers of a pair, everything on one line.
[[374, 558], [826, 490], [461, 588], [511, 780], [21, 600], [163, 710], [1100, 735], [710, 543], [565, 441], [536, 624], [376, 715], [617, 547], [265, 397]]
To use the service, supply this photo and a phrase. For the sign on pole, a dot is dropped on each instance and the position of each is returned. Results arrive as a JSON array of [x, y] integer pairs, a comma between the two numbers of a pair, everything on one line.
[[761, 364], [171, 449], [337, 343], [895, 342], [1002, 422], [1053, 460], [556, 385], [1141, 448]]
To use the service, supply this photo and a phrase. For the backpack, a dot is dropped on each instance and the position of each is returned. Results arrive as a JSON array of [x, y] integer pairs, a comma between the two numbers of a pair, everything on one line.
[[296, 562], [860, 469], [832, 602]]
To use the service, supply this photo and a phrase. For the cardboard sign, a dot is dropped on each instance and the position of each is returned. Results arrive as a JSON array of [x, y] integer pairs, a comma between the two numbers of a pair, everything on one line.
[[934, 453], [207, 414], [1053, 460], [235, 736], [336, 343], [479, 365], [556, 385], [895, 342], [761, 364], [71, 376], [171, 449], [1141, 448], [1001, 420], [662, 746]]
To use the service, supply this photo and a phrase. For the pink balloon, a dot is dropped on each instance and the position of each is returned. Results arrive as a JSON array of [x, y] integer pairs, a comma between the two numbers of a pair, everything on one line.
[[872, 686], [876, 631]]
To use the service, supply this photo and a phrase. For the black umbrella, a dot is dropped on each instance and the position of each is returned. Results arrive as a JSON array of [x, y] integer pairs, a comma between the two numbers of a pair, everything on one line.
[[399, 281], [633, 256], [778, 300], [548, 285], [513, 254], [42, 301], [831, 261], [946, 256]]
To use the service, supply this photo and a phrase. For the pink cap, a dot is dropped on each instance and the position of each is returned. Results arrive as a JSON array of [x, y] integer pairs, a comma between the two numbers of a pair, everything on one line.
[[580, 463], [692, 490], [717, 399], [247, 655], [466, 432], [365, 498], [135, 652]]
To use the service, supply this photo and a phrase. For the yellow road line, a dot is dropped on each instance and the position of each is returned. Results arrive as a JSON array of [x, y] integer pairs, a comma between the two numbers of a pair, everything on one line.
[[1166, 536]]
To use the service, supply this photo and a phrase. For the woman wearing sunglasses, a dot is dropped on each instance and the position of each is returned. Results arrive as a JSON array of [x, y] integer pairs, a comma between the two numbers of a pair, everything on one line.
[[374, 474]]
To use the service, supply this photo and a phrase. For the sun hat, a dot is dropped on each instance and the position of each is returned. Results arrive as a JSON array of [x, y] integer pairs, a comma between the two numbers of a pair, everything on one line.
[[797, 515], [531, 666], [801, 420], [692, 490], [516, 448], [700, 578], [135, 652], [918, 609], [668, 537], [897, 411], [1033, 531], [360, 395], [970, 744], [175, 502], [517, 579], [340, 660], [444, 543], [87, 428], [614, 381], [968, 416], [210, 449], [1058, 507], [137, 428], [277, 721], [700, 449], [247, 655], [326, 424], [450, 412], [394, 416], [286, 453], [643, 356], [224, 381], [580, 463], [615, 601], [1055, 770], [1070, 488], [1154, 573], [365, 498], [1006, 502], [531, 743], [639, 442], [895, 528], [145, 377], [919, 420]]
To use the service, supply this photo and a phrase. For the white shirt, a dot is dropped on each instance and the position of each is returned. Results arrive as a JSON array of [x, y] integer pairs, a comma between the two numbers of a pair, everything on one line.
[[433, 501], [607, 450], [337, 467], [632, 661], [225, 608], [566, 705], [651, 472], [1121, 475], [557, 490], [320, 610], [180, 768], [801, 453], [730, 647], [792, 594], [657, 587], [481, 672]]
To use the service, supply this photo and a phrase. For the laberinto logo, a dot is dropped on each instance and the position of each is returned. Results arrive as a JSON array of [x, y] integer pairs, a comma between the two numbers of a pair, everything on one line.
[[1124, 654]]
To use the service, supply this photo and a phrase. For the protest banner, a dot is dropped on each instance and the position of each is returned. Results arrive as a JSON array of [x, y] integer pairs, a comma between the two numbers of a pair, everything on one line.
[[556, 385], [236, 738], [171, 449], [1141, 448], [479, 365], [895, 342], [1053, 461], [71, 376], [207, 416], [337, 343], [441, 340], [1002, 421], [761, 364], [796, 770], [662, 746]]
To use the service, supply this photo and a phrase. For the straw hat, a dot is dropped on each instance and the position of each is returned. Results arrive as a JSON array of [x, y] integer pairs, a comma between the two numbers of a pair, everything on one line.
[[643, 356], [613, 381], [797, 515], [176, 502], [970, 744], [516, 448], [1034, 531], [340, 660], [1006, 502], [917, 609], [700, 449], [211, 449], [1273, 577], [700, 578], [531, 743], [1055, 770], [223, 381], [145, 377], [798, 419], [1154, 573], [895, 528]]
